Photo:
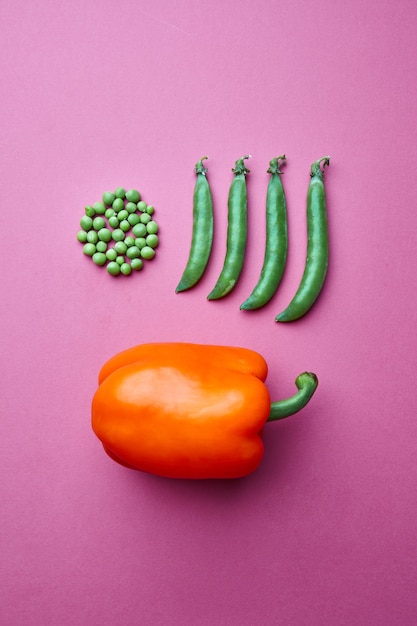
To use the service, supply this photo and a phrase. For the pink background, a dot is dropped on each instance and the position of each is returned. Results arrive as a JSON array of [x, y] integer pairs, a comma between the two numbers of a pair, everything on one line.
[[101, 94]]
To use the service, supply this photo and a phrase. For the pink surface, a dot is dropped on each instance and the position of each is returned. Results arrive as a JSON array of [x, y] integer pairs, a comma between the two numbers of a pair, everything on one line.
[[101, 94]]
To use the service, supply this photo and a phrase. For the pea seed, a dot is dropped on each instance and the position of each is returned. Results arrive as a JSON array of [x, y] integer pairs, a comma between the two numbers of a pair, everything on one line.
[[86, 222], [147, 252], [109, 213], [140, 242], [98, 222], [125, 269], [133, 219], [120, 259], [82, 236], [152, 241], [114, 221], [89, 249], [104, 234], [99, 208], [101, 246], [120, 247], [125, 226], [118, 204], [90, 211], [133, 195], [150, 210], [113, 268], [120, 192], [92, 236], [136, 264], [99, 258], [145, 218], [142, 206], [139, 230], [131, 207], [111, 254], [133, 252], [118, 235], [152, 227], [129, 241], [123, 215], [108, 198]]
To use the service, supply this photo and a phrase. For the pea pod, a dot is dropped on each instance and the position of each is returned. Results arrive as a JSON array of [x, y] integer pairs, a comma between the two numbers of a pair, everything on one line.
[[317, 247], [236, 232], [202, 235], [276, 245]]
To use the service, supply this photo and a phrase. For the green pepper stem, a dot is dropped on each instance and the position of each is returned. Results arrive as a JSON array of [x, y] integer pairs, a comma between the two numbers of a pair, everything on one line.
[[306, 384]]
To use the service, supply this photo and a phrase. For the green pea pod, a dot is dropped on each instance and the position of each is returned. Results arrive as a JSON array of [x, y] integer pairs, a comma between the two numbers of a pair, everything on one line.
[[276, 243], [237, 229], [317, 247], [202, 235]]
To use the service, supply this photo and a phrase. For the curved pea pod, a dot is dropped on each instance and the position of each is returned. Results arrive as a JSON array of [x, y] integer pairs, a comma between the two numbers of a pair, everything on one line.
[[317, 259]]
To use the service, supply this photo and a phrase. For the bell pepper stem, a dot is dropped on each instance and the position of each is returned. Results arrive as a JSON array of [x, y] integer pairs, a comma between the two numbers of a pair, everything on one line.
[[306, 384]]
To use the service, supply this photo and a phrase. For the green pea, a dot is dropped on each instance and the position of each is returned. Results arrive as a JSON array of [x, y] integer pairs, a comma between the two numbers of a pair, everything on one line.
[[142, 206], [133, 252], [152, 227], [99, 258], [108, 198], [125, 226], [99, 208], [150, 210], [120, 247], [129, 241], [120, 259], [98, 223], [86, 222], [145, 218], [104, 234], [126, 269], [140, 242], [118, 235], [111, 254], [147, 252], [131, 207], [89, 249], [101, 246], [120, 192], [136, 264], [133, 219], [114, 221], [92, 236], [113, 268], [152, 241], [139, 230], [123, 215], [118, 205], [133, 195], [82, 236], [109, 213], [90, 211]]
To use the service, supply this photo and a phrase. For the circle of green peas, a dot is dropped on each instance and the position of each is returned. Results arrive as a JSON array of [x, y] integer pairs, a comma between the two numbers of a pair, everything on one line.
[[119, 232]]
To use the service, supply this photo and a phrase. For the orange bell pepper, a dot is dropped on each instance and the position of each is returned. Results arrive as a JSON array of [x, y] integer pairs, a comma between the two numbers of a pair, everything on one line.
[[183, 410]]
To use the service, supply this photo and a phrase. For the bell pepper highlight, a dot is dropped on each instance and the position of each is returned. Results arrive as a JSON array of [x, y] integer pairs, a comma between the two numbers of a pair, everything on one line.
[[183, 410]]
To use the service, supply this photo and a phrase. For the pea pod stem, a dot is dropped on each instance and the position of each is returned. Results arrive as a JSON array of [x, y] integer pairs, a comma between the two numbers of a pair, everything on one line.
[[317, 258], [306, 384], [276, 241], [202, 233], [236, 232]]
